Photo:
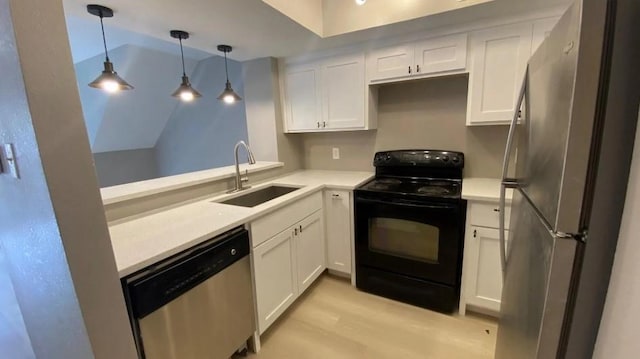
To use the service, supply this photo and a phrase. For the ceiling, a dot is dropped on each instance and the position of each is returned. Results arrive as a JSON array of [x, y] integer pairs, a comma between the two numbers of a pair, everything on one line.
[[252, 27]]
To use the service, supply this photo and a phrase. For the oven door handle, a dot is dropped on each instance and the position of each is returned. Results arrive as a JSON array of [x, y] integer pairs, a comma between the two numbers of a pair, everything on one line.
[[406, 204]]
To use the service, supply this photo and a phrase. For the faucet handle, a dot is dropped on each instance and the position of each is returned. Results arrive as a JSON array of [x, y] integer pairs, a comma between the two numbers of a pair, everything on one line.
[[245, 178]]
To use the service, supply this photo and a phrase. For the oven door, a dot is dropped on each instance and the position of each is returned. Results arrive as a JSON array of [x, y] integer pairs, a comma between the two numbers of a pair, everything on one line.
[[421, 240]]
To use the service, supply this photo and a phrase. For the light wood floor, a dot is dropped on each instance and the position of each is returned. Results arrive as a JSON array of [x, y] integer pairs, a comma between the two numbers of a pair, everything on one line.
[[335, 321]]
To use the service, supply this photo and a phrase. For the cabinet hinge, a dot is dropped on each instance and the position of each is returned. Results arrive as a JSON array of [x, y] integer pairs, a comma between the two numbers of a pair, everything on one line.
[[475, 233]]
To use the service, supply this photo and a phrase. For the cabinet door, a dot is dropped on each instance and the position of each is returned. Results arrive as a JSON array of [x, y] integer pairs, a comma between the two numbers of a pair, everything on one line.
[[310, 250], [447, 53], [338, 225], [498, 64], [302, 94], [389, 63], [541, 30], [275, 278], [483, 280], [343, 92]]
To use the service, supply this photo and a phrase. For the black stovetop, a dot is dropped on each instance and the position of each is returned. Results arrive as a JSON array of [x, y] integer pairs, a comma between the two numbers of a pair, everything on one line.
[[419, 174], [418, 187]]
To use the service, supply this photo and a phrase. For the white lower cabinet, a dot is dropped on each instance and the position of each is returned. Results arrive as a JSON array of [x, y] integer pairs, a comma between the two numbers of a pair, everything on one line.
[[310, 250], [484, 280], [339, 221], [287, 263], [274, 277], [482, 272]]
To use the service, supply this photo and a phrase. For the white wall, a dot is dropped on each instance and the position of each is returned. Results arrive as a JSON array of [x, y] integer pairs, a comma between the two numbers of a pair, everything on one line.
[[618, 336]]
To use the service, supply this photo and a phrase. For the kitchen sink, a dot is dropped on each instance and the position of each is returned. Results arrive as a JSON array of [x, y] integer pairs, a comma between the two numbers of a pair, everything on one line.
[[260, 196]]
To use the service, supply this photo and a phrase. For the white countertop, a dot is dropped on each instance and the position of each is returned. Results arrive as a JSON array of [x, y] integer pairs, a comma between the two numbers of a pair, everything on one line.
[[139, 189], [483, 189], [142, 241]]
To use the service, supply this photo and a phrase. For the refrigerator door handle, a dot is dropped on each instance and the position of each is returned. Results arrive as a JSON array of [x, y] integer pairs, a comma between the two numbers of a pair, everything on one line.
[[512, 130], [507, 182], [502, 236]]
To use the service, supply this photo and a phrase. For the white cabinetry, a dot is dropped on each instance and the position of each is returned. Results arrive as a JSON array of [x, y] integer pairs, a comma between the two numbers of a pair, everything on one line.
[[274, 278], [310, 249], [303, 105], [499, 59], [288, 255], [339, 219], [327, 95], [343, 90], [481, 271], [541, 30], [421, 59]]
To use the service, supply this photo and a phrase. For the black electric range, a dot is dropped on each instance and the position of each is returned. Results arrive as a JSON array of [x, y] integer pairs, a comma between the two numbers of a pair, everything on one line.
[[410, 228]]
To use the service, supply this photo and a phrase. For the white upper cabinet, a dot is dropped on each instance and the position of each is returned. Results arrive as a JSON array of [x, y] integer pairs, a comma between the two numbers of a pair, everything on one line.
[[343, 90], [302, 89], [328, 95], [541, 30], [420, 59], [499, 59], [448, 53], [390, 63]]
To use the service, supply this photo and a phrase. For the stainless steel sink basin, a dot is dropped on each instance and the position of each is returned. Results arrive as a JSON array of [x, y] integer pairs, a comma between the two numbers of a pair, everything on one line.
[[260, 196]]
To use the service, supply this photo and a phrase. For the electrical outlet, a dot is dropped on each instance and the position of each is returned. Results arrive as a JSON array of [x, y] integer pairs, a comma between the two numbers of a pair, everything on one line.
[[336, 153]]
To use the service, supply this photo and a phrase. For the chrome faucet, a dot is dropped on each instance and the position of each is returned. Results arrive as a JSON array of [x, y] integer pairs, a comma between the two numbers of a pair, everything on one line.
[[239, 179]]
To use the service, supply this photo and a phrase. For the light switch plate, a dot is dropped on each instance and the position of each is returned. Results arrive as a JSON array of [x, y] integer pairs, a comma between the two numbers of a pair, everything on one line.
[[336, 153], [10, 158]]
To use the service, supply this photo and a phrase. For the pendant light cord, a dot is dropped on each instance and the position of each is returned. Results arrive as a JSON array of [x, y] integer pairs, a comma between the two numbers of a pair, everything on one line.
[[225, 66], [104, 39], [184, 72]]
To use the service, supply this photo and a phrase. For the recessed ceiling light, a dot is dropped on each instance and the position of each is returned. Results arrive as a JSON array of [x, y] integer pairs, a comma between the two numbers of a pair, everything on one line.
[[361, 2]]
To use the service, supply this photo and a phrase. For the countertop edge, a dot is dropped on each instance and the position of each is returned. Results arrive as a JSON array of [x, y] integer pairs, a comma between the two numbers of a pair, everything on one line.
[[109, 198]]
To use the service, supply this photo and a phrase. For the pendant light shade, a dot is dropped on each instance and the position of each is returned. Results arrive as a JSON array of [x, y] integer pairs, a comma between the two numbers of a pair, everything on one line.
[[227, 95], [185, 92], [108, 80]]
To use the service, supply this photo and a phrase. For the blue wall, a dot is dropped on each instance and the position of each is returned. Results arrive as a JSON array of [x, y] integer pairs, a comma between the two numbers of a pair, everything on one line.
[[185, 137], [201, 135]]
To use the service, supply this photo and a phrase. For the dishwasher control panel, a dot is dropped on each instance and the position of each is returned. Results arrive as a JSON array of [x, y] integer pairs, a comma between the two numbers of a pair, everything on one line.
[[163, 282]]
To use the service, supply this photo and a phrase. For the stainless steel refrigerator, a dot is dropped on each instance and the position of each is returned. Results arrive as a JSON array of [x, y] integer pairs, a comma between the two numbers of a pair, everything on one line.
[[567, 163]]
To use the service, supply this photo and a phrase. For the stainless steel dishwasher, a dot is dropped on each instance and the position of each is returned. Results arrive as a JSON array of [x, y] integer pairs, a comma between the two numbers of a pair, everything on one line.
[[197, 304]]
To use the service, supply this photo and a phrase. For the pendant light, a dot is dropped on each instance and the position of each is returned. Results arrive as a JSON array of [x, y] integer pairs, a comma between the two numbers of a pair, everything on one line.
[[228, 95], [185, 92], [109, 79]]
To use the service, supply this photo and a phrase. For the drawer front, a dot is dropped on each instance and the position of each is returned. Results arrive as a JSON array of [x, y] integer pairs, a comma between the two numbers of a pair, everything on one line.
[[268, 226], [486, 214]]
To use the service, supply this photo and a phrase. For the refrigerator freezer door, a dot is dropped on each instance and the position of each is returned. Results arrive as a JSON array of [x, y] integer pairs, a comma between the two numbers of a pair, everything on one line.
[[555, 138], [536, 286]]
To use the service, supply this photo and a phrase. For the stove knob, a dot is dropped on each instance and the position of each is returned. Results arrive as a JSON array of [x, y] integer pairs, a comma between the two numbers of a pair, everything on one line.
[[455, 159], [388, 158], [445, 158]]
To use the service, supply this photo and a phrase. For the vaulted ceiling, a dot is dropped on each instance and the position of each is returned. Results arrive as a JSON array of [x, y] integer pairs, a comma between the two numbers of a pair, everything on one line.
[[256, 29]]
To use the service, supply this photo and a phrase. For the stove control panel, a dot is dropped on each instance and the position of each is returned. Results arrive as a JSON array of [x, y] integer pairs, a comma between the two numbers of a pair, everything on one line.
[[419, 158]]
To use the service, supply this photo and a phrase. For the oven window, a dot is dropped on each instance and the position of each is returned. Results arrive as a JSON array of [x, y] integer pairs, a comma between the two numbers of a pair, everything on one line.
[[406, 239]]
